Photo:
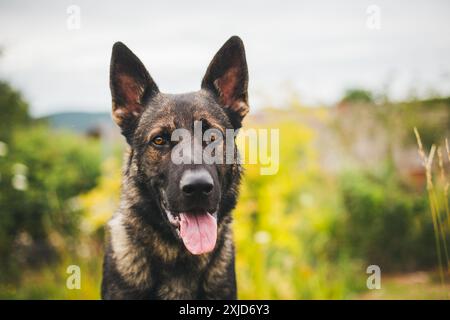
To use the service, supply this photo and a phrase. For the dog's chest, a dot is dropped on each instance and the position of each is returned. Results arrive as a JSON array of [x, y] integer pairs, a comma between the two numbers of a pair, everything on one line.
[[178, 287], [181, 280]]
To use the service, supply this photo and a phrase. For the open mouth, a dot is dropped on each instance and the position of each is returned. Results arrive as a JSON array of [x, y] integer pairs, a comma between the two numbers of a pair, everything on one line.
[[197, 229]]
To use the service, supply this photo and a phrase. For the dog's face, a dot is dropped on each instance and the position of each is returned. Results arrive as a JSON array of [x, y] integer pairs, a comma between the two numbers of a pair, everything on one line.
[[191, 194]]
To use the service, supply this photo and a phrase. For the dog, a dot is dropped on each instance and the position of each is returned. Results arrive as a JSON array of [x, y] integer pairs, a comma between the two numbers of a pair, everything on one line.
[[171, 237]]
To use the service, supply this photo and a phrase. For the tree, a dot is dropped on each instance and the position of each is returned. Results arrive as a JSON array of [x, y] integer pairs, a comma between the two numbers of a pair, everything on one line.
[[357, 96], [13, 110]]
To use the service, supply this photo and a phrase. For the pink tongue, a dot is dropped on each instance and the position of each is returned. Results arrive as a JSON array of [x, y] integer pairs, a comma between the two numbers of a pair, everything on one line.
[[198, 231]]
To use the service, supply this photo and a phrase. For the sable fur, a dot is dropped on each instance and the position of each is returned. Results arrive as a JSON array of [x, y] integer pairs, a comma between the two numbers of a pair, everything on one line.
[[143, 257]]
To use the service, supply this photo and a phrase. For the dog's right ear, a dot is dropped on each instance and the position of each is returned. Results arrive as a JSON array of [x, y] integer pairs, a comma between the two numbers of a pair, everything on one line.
[[131, 87]]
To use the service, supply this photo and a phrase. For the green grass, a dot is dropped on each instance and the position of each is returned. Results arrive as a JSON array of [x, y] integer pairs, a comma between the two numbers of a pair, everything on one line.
[[409, 286], [49, 282]]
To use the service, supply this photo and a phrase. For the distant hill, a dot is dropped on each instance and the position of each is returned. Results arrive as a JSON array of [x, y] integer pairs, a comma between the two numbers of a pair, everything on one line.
[[80, 122]]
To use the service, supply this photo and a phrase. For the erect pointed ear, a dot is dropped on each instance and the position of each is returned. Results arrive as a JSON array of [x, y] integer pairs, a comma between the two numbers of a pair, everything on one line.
[[227, 78], [131, 87]]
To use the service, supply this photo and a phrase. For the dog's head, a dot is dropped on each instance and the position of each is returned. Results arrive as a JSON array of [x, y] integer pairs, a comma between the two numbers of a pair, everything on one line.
[[194, 194]]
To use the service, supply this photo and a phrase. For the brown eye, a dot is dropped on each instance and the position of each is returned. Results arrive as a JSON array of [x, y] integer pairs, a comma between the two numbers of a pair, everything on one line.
[[159, 141], [213, 136]]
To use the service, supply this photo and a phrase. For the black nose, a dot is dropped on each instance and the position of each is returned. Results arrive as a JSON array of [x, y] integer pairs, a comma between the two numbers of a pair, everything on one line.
[[196, 183]]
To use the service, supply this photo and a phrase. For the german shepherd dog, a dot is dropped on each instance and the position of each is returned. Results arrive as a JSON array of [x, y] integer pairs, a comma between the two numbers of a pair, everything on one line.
[[171, 237]]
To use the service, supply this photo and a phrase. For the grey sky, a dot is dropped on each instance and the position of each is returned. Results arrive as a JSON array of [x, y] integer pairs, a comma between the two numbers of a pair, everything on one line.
[[315, 48]]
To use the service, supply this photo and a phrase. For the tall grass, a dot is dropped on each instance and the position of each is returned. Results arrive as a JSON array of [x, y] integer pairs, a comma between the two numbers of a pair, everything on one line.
[[438, 202]]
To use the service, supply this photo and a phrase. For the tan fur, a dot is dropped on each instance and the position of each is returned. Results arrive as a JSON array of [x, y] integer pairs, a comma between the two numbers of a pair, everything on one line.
[[131, 260]]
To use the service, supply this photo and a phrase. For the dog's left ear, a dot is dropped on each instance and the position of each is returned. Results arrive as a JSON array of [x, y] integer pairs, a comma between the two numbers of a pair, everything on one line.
[[227, 78]]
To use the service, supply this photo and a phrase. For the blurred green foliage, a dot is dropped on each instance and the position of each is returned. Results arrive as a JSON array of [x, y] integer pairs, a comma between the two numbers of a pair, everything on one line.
[[385, 223], [430, 116], [14, 111], [357, 95], [41, 170], [286, 224]]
